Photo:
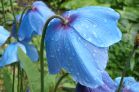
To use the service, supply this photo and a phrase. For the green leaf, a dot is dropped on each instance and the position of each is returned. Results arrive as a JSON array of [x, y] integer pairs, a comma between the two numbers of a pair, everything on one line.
[[49, 82], [31, 71], [73, 4], [7, 80], [132, 63], [130, 13], [34, 75]]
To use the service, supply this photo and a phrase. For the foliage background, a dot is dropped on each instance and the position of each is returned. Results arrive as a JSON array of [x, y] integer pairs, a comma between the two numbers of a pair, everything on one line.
[[118, 53]]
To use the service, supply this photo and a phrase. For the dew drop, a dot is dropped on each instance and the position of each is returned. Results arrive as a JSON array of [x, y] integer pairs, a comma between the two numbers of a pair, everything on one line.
[[89, 39], [52, 56], [94, 25], [58, 49], [105, 20], [94, 54], [84, 35], [78, 74], [70, 58]]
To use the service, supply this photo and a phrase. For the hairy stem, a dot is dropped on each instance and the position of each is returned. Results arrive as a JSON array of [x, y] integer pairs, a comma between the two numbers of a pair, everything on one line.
[[59, 81], [125, 69], [18, 85], [13, 77], [26, 9], [42, 47]]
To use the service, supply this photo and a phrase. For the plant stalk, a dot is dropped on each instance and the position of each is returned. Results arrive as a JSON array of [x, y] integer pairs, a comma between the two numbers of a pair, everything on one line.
[[42, 47], [125, 69], [59, 81], [13, 77]]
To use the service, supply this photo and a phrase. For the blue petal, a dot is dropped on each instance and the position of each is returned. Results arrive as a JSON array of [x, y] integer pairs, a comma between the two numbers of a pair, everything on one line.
[[18, 17], [10, 54], [14, 28], [97, 25], [127, 81], [109, 85], [14, 32], [66, 49], [108, 81], [34, 21], [134, 87], [4, 34], [31, 51], [81, 88]]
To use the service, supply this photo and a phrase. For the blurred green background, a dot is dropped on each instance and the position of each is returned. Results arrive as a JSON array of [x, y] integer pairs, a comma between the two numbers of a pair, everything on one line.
[[118, 53]]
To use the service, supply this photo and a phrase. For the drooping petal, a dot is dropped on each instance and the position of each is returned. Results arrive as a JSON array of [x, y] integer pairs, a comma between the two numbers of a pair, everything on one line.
[[129, 84], [95, 24], [127, 81], [14, 28], [4, 34], [81, 88], [34, 20], [31, 52], [67, 49], [134, 87], [108, 81], [109, 85], [10, 54]]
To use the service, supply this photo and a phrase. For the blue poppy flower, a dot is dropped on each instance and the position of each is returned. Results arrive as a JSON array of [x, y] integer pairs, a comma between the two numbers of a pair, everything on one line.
[[10, 54], [4, 34], [34, 20], [81, 45], [109, 86], [129, 84]]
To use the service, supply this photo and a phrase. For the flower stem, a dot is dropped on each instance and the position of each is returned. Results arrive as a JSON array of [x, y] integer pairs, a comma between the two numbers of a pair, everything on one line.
[[18, 85], [2, 3], [12, 8], [58, 82], [25, 9], [13, 77], [21, 83], [125, 69], [20, 20], [42, 47]]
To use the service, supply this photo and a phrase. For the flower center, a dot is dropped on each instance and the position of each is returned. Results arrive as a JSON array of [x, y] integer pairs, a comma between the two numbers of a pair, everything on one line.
[[34, 8]]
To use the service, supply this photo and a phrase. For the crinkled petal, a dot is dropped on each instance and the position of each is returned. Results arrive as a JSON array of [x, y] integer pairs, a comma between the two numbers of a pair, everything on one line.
[[31, 52], [18, 17], [67, 49], [127, 81], [34, 20], [4, 34], [134, 87], [130, 84], [95, 24], [109, 85], [10, 54], [108, 81]]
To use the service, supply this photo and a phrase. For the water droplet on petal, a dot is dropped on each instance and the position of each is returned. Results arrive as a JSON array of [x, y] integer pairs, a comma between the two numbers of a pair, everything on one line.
[[52, 56], [94, 54], [78, 74], [94, 25], [70, 58], [105, 20], [89, 39], [84, 35]]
